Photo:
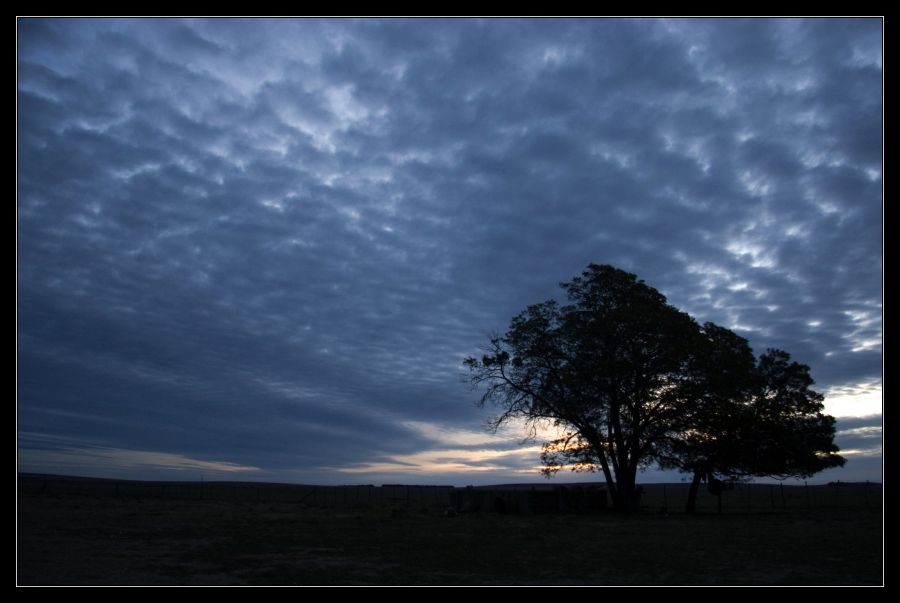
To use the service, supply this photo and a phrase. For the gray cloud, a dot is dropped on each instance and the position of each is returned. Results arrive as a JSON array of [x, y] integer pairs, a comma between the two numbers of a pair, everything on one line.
[[271, 242]]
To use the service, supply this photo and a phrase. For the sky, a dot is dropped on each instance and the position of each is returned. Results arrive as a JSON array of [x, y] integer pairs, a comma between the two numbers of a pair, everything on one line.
[[261, 249]]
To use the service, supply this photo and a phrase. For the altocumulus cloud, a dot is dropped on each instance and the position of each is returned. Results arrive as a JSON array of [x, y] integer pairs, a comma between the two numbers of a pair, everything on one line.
[[262, 248]]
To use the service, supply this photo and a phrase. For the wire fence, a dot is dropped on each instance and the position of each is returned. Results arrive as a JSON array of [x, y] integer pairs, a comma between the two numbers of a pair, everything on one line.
[[752, 497], [743, 497]]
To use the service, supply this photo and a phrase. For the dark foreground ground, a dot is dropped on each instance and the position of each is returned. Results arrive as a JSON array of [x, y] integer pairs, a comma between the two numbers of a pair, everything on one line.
[[101, 540]]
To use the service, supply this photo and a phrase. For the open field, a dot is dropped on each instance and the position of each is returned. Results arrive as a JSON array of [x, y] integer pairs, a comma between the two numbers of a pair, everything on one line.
[[78, 539]]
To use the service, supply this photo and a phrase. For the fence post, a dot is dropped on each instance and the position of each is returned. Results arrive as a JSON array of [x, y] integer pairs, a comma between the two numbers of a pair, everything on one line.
[[808, 502]]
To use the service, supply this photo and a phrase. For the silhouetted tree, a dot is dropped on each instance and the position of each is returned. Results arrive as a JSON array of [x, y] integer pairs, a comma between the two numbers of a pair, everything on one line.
[[722, 378], [631, 381], [610, 370], [764, 422]]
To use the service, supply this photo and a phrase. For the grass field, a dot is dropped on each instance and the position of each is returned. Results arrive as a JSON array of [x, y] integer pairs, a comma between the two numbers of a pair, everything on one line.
[[74, 539]]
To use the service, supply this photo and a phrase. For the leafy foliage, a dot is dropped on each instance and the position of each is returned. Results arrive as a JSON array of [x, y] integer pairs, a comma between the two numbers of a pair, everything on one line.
[[631, 381], [607, 369]]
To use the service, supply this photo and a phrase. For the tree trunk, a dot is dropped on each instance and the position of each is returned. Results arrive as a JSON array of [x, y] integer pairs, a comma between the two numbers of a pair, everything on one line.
[[632, 502], [600, 451], [691, 505], [620, 481], [628, 500]]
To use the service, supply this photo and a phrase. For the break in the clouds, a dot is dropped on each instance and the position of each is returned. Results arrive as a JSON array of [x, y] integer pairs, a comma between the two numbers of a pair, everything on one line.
[[262, 247]]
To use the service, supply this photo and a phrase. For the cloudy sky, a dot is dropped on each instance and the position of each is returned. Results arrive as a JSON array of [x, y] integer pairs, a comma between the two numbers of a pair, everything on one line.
[[260, 250]]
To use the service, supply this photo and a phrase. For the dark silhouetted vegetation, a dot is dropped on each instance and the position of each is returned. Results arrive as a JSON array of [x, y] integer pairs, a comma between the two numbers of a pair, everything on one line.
[[750, 419], [630, 381]]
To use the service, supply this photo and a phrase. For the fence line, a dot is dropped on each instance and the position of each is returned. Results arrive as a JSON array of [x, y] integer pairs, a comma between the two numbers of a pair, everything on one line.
[[754, 498], [743, 497]]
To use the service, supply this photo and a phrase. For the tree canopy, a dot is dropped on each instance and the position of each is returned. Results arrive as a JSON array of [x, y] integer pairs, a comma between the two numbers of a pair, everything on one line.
[[750, 418], [630, 381]]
